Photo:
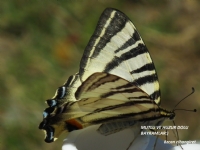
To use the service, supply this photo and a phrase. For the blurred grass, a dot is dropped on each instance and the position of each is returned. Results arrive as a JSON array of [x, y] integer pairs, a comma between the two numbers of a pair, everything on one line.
[[41, 43]]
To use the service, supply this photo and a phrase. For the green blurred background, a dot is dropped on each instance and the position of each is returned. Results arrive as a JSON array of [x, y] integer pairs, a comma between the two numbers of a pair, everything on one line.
[[41, 44]]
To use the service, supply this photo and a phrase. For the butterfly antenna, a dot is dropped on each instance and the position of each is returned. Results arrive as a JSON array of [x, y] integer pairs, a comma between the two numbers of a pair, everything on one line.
[[193, 90]]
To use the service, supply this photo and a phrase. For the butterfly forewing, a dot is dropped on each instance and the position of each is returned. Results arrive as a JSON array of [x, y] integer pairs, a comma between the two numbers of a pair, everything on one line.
[[117, 48]]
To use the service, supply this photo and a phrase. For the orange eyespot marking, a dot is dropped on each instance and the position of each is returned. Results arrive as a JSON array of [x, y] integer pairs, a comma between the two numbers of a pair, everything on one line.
[[75, 123]]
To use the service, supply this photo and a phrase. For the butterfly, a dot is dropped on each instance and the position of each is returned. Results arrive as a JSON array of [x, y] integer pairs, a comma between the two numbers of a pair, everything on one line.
[[116, 85]]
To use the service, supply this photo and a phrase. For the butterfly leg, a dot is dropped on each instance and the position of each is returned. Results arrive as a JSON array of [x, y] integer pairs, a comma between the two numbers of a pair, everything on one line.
[[154, 147], [133, 139], [177, 136]]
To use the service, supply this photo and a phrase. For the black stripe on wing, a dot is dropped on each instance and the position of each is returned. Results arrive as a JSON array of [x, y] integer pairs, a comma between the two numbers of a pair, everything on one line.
[[94, 81], [155, 95], [139, 97], [120, 91], [102, 80], [154, 113], [134, 38], [142, 117], [71, 80], [146, 67], [129, 103], [115, 25], [140, 49], [145, 79]]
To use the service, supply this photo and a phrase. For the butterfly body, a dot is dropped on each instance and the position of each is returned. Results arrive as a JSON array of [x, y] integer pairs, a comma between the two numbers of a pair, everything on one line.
[[116, 86]]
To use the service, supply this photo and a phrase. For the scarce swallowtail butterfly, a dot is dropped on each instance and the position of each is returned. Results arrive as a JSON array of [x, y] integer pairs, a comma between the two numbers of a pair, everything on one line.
[[116, 85]]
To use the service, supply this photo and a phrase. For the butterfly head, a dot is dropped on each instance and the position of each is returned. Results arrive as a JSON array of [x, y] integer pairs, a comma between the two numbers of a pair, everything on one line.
[[172, 115], [167, 114]]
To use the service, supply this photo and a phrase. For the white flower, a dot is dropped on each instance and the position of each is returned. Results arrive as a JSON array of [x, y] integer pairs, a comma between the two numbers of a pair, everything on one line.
[[90, 139]]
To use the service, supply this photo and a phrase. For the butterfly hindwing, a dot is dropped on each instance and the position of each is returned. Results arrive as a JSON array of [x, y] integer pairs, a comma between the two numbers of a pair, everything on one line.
[[108, 98], [103, 85]]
